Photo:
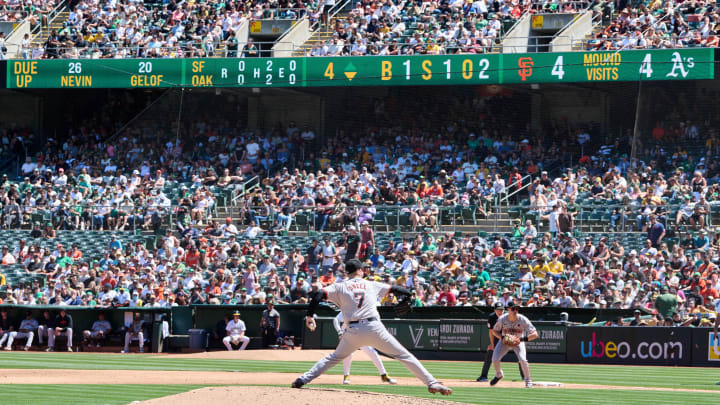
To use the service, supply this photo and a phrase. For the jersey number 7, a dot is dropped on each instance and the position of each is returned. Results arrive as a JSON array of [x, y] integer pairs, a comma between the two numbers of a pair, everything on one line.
[[359, 297]]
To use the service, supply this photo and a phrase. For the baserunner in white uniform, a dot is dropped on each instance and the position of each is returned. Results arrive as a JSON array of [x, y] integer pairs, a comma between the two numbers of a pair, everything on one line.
[[340, 327], [519, 326], [357, 299]]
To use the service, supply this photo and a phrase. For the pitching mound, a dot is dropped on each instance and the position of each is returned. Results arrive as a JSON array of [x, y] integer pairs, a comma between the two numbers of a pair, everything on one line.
[[275, 395]]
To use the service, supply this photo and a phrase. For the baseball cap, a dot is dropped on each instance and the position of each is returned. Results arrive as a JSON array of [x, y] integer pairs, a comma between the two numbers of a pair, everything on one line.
[[512, 304], [499, 305]]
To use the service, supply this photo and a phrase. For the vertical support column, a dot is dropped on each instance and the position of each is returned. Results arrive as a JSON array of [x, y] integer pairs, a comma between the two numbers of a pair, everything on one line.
[[254, 112]]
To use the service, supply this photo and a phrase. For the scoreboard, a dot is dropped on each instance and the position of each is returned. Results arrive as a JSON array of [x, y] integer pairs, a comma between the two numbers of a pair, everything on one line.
[[417, 70]]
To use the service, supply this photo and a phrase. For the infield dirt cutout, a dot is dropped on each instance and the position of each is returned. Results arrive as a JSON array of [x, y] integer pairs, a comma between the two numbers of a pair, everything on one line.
[[277, 395]]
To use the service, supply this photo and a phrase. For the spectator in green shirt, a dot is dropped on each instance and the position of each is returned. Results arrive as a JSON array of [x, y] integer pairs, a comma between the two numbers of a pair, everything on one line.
[[666, 303], [63, 259]]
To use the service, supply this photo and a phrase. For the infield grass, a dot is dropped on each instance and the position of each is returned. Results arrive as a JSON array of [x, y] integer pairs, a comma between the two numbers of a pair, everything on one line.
[[661, 377], [86, 394], [124, 394]]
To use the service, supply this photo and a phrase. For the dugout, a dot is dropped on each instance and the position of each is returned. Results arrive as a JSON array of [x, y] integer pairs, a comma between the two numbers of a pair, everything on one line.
[[431, 333], [83, 318]]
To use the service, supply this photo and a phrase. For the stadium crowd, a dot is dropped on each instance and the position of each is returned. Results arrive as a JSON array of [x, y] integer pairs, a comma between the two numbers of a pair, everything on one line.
[[431, 28], [658, 25], [417, 168], [33, 11], [125, 29], [129, 29]]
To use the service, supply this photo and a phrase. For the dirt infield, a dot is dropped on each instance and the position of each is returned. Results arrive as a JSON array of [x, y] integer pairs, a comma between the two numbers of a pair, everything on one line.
[[30, 376], [272, 396]]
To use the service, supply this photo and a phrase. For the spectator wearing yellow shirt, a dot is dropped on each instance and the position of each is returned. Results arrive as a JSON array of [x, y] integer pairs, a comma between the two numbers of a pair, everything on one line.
[[541, 268], [555, 267], [402, 280], [433, 48], [454, 264]]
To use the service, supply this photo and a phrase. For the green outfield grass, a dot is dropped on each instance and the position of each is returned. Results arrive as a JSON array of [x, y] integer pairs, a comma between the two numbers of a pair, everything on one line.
[[125, 394], [663, 377], [86, 394]]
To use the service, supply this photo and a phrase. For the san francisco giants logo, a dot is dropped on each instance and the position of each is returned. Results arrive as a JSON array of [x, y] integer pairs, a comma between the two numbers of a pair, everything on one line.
[[525, 64]]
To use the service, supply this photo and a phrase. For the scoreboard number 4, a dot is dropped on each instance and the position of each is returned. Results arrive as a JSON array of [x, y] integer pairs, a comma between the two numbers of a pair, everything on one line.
[[557, 69], [646, 66]]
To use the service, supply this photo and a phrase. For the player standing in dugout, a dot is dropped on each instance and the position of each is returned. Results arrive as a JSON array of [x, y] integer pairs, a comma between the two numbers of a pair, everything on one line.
[[357, 299]]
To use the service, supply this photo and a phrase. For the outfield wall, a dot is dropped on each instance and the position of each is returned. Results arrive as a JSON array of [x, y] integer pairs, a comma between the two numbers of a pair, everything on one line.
[[433, 332]]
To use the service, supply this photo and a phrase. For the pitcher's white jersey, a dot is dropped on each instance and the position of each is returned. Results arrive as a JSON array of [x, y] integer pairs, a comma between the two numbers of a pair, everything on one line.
[[357, 298]]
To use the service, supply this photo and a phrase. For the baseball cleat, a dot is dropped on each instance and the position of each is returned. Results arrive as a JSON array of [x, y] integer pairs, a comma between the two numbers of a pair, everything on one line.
[[386, 378], [50, 349], [437, 387], [495, 380], [297, 384], [528, 384], [7, 349], [482, 379], [69, 349], [346, 379]]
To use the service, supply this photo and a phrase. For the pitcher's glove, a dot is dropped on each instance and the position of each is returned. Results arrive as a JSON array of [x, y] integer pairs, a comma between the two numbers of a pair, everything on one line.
[[510, 340], [403, 307]]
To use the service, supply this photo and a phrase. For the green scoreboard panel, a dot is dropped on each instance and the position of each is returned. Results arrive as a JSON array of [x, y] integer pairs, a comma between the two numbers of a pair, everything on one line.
[[418, 70]]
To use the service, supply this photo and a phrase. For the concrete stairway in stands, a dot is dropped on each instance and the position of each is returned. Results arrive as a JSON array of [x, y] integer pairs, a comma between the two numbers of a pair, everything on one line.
[[53, 25], [320, 37]]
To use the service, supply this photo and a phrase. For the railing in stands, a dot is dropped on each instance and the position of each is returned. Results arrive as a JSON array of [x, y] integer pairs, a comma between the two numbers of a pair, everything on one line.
[[525, 183], [335, 10], [596, 216], [248, 185]]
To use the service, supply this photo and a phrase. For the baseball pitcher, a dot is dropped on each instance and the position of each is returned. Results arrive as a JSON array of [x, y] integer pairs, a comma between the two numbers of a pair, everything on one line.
[[236, 333], [340, 327], [357, 299], [512, 331]]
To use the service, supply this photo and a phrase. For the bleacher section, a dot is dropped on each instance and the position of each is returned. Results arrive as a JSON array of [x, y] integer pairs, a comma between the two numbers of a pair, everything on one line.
[[652, 25]]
